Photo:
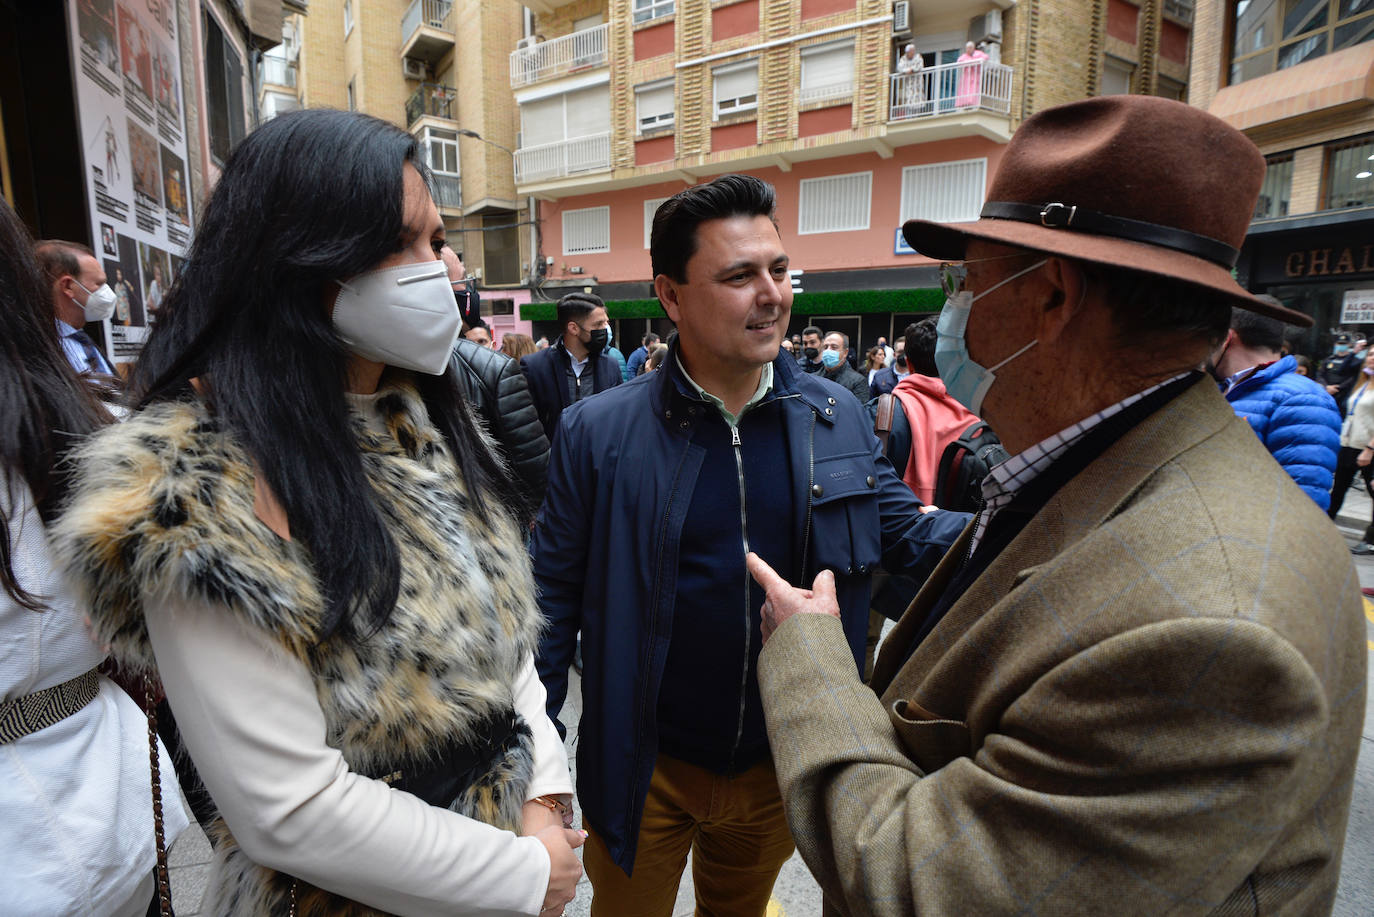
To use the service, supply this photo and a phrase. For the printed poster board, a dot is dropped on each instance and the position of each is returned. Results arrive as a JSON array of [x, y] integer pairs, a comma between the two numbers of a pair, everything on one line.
[[132, 118]]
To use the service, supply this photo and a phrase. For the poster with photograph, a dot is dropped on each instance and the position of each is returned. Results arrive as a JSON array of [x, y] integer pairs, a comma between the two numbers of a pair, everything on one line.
[[131, 108]]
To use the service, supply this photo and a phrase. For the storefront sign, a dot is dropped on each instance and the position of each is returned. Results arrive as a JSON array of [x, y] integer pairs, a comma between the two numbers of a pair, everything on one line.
[[1312, 263], [1357, 307], [132, 117]]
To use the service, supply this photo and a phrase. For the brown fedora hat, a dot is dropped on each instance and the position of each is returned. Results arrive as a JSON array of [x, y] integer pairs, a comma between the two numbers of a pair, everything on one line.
[[1135, 182]]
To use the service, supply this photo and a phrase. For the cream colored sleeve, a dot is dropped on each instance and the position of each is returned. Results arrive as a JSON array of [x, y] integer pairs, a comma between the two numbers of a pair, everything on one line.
[[551, 775], [250, 719]]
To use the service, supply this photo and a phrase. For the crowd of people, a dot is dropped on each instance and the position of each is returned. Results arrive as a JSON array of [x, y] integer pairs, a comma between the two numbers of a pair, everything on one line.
[[342, 553]]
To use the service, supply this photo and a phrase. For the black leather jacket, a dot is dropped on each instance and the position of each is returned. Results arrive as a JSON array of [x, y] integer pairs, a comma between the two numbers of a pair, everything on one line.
[[497, 391]]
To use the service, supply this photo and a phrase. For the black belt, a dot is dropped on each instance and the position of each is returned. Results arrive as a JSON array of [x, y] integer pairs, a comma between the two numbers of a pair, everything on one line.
[[444, 773]]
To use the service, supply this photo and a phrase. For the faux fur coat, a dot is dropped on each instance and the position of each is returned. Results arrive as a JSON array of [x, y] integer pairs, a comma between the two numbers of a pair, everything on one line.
[[163, 505]]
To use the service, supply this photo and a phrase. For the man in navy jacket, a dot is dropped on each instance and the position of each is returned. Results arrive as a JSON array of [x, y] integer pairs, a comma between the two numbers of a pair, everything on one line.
[[657, 490], [1297, 421], [577, 366]]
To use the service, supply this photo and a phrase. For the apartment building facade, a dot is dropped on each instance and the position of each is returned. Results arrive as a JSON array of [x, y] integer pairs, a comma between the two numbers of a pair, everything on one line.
[[622, 103], [1298, 79]]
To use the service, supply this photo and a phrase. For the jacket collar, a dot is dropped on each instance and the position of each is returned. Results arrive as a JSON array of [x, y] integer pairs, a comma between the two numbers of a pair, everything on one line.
[[1083, 504], [1263, 375], [788, 382]]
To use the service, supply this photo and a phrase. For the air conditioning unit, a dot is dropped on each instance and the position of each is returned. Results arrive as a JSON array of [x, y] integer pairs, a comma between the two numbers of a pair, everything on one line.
[[412, 68], [987, 27], [529, 41], [901, 17]]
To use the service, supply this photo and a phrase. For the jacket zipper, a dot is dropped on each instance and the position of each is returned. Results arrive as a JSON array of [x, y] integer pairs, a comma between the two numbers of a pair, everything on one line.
[[810, 484], [748, 637]]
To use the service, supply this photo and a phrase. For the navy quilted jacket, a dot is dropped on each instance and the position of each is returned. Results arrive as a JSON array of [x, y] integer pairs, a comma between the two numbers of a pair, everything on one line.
[[1297, 421]]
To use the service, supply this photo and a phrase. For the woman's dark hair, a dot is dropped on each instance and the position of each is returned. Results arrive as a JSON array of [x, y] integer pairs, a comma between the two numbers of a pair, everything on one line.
[[673, 238], [46, 404], [308, 199]]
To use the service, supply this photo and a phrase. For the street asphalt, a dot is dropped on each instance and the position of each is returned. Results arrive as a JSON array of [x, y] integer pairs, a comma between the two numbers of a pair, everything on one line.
[[796, 893]]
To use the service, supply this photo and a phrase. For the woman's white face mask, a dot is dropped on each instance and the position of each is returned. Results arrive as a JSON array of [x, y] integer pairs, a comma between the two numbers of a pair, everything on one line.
[[402, 316]]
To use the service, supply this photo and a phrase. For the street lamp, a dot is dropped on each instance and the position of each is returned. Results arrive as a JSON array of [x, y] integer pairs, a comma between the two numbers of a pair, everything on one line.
[[476, 136]]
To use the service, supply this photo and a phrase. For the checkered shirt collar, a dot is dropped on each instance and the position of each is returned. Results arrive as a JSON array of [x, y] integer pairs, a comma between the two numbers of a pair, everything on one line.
[[1007, 479]]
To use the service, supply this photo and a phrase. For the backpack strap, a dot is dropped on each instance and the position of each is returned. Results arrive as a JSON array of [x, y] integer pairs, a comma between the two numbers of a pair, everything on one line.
[[882, 425]]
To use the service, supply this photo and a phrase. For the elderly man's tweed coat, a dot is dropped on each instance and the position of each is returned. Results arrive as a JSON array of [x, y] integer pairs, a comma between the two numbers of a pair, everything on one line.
[[1149, 703], [163, 504]]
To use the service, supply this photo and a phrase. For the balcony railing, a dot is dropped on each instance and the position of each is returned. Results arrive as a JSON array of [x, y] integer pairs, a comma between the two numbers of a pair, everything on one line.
[[433, 99], [448, 191], [828, 93], [431, 13], [566, 157], [945, 88], [278, 71], [566, 54]]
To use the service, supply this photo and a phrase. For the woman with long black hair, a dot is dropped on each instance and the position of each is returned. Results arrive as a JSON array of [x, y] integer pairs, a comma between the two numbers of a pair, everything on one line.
[[292, 527], [76, 814]]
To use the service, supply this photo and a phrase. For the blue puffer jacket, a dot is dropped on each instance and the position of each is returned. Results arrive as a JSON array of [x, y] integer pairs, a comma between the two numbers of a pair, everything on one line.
[[1297, 421]]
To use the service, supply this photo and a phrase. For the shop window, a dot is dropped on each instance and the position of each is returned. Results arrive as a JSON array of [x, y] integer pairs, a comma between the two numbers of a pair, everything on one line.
[[1278, 185], [587, 230], [837, 203], [1350, 174], [735, 88], [650, 208], [223, 91], [947, 192], [1272, 35]]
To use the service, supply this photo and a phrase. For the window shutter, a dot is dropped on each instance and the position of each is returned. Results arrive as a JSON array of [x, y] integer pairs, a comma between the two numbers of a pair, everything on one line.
[[654, 106], [541, 121], [947, 192], [837, 203], [586, 230], [650, 208], [736, 88], [589, 111], [827, 70]]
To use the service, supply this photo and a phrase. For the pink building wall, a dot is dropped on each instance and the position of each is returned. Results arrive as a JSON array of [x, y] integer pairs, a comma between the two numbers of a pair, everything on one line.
[[628, 259]]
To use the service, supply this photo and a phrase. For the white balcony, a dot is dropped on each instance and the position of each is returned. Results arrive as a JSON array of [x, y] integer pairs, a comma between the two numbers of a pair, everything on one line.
[[447, 191], [832, 92], [574, 156], [584, 50], [948, 88]]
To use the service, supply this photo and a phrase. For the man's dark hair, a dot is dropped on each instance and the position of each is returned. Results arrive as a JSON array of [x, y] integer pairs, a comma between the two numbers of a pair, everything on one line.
[[812, 329], [1146, 308], [920, 347], [649, 340], [1259, 331], [673, 239], [58, 258], [574, 307]]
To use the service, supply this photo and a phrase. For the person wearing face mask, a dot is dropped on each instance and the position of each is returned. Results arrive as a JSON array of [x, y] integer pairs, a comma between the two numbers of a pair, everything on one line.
[[79, 294], [576, 367], [300, 530], [1339, 372], [810, 357], [1135, 684], [836, 368]]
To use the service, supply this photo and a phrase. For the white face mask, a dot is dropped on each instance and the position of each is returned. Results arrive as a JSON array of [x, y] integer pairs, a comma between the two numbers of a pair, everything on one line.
[[100, 302], [401, 316]]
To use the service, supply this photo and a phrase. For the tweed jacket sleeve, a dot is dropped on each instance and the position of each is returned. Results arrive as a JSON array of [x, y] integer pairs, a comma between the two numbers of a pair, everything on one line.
[[1149, 703]]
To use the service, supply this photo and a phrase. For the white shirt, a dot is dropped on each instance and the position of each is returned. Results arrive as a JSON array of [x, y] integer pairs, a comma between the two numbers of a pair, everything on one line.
[[76, 814]]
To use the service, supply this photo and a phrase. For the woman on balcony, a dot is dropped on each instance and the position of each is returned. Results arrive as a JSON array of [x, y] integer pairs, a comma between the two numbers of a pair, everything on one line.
[[913, 92], [302, 528], [970, 76]]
